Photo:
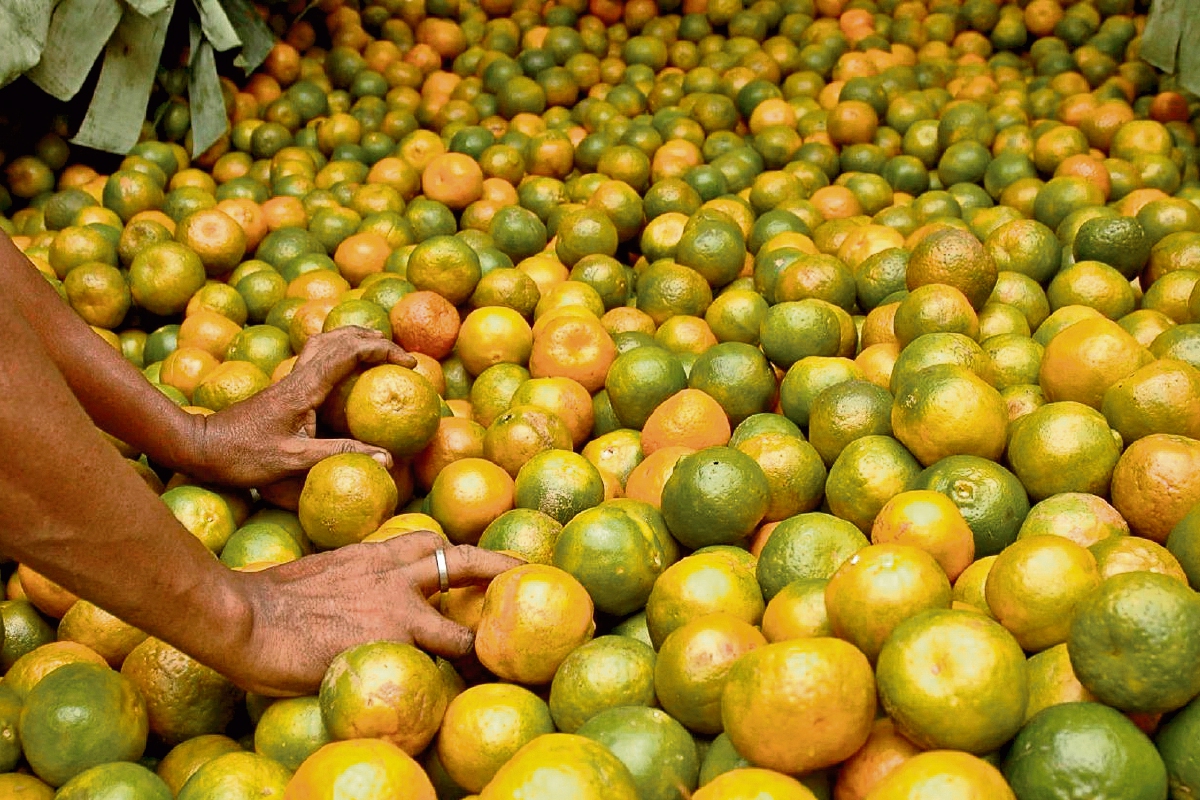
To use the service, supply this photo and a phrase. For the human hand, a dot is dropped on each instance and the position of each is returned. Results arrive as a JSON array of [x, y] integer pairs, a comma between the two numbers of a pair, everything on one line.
[[305, 612], [273, 435]]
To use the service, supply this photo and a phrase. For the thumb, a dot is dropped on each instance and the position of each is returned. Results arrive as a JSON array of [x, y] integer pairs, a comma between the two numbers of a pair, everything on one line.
[[315, 450]]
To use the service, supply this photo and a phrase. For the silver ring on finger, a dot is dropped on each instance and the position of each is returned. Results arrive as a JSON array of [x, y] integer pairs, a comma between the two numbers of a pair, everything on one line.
[[439, 557]]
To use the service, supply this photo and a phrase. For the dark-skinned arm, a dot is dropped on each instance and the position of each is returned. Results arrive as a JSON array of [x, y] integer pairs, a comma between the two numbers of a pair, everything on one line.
[[268, 438], [76, 512]]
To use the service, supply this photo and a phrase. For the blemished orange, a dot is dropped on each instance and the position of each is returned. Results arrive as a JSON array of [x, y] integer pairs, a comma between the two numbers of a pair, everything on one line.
[[565, 398], [693, 664], [576, 347], [690, 419], [425, 322], [533, 617], [930, 521]]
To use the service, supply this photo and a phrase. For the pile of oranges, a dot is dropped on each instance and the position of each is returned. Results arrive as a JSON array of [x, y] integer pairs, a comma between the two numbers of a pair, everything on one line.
[[833, 365]]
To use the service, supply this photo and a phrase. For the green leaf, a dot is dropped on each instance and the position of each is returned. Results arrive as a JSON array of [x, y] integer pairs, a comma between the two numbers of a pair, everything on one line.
[[78, 32], [114, 118], [209, 120], [23, 28]]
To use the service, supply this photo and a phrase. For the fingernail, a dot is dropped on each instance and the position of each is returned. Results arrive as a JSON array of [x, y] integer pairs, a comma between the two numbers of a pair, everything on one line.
[[381, 458]]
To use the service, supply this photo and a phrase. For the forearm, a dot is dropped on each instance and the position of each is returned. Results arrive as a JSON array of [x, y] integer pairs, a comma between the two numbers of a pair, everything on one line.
[[114, 393], [74, 511]]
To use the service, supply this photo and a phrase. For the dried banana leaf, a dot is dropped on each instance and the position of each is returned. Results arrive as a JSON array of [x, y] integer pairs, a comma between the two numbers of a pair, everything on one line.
[[114, 118], [23, 28], [78, 32]]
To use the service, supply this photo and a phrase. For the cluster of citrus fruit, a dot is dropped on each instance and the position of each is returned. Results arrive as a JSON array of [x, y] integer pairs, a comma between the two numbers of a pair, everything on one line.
[[832, 365]]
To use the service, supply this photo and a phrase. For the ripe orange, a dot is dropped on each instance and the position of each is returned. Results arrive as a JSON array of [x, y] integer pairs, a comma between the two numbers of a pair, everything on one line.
[[799, 705], [376, 761], [533, 617], [467, 495], [690, 419], [576, 347], [930, 521]]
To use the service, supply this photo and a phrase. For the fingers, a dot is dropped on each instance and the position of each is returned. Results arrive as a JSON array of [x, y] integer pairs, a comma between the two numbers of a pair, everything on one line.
[[309, 451], [327, 358], [466, 565], [433, 632], [410, 548]]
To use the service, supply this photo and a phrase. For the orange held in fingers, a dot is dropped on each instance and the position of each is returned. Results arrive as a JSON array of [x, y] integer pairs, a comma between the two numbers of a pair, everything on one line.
[[394, 408]]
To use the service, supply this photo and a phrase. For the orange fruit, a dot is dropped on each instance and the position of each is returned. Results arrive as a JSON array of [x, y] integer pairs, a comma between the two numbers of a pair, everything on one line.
[[693, 664], [467, 495], [520, 433], [425, 322], [775, 696], [533, 617], [950, 774], [564, 397], [360, 255], [947, 410], [358, 696], [879, 587], [345, 498], [456, 438], [484, 727], [751, 782], [953, 679], [453, 179], [1034, 586], [576, 347], [884, 751], [215, 237], [493, 335], [690, 419], [646, 480], [559, 483], [1082, 361], [562, 764], [607, 672], [183, 697], [930, 521], [394, 408], [378, 763], [797, 611], [720, 579], [1155, 484]]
